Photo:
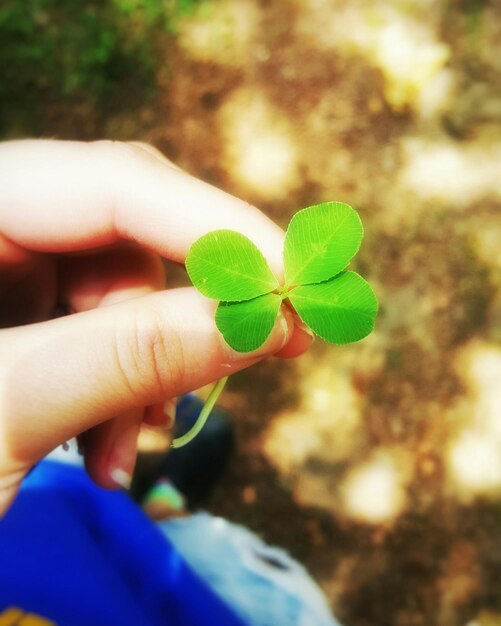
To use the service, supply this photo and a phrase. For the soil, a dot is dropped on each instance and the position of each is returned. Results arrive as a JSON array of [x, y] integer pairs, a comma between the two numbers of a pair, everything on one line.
[[377, 465]]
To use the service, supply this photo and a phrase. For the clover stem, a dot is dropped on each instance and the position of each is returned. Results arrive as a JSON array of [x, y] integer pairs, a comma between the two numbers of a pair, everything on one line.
[[214, 394]]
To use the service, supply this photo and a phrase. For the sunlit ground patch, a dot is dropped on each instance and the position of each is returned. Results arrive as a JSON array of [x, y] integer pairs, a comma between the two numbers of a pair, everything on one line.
[[374, 491], [486, 239], [456, 173], [394, 38], [324, 425], [259, 148], [475, 462], [311, 444], [474, 455], [486, 618], [221, 32], [411, 63], [480, 365]]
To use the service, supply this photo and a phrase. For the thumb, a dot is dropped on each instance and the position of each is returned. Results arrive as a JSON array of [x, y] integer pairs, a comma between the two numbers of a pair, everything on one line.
[[64, 376]]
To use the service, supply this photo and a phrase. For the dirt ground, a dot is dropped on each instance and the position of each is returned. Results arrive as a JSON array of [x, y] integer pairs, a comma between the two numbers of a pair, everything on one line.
[[378, 465]]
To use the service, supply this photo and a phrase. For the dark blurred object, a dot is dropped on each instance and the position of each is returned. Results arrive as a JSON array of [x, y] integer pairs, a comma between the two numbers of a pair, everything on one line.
[[196, 468]]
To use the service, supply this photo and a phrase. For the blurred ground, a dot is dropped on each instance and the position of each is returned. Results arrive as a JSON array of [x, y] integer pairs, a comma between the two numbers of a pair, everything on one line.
[[378, 465]]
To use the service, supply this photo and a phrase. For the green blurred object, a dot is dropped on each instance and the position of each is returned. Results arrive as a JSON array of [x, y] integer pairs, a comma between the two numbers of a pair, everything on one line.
[[78, 52]]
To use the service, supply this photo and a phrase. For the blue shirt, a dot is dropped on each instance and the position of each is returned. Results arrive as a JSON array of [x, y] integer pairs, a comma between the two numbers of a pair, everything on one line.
[[78, 555]]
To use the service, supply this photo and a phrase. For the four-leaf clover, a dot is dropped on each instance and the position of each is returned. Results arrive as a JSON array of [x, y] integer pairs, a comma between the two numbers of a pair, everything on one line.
[[337, 304]]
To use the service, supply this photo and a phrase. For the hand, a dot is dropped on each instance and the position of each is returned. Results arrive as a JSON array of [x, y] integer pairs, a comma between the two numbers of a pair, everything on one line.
[[83, 228]]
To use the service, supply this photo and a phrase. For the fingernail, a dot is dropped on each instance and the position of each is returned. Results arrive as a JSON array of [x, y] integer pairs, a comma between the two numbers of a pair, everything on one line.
[[121, 477], [123, 448], [170, 412], [302, 326], [284, 325]]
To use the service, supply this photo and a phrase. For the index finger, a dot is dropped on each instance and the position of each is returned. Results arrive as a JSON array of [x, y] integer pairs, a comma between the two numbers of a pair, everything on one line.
[[64, 196]]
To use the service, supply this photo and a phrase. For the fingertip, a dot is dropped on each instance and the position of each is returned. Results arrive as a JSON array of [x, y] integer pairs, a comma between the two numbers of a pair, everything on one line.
[[154, 152], [121, 478], [296, 338], [111, 451], [300, 341]]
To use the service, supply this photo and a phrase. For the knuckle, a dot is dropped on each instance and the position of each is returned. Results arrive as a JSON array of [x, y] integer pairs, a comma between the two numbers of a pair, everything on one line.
[[126, 153], [117, 157], [114, 148], [149, 358]]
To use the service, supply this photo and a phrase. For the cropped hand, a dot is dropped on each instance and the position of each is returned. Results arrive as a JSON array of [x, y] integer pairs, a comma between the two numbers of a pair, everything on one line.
[[83, 228]]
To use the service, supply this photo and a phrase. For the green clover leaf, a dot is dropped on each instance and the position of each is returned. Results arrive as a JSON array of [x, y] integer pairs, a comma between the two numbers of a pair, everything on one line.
[[225, 265], [246, 325], [320, 242], [338, 305], [340, 310]]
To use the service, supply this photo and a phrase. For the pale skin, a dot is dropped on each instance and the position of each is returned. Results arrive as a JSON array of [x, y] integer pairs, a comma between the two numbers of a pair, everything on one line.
[[83, 227]]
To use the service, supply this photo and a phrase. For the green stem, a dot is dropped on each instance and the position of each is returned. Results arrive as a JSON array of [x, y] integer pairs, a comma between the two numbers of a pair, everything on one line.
[[179, 442]]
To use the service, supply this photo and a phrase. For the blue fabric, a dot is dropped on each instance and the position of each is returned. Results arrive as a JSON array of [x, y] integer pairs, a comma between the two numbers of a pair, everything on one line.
[[264, 585], [79, 555]]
